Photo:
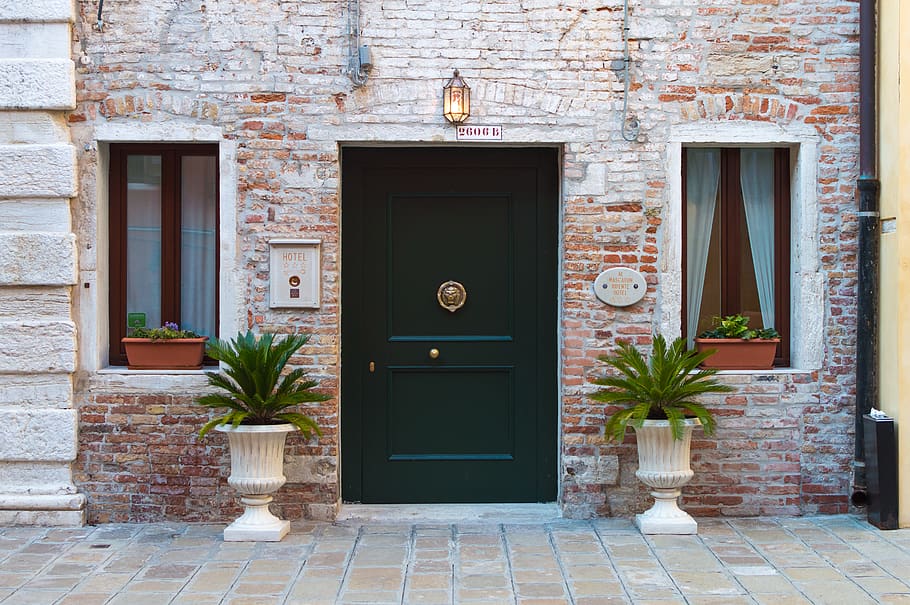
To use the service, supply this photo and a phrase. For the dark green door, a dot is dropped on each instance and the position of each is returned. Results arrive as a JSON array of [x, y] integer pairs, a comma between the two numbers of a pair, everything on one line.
[[443, 405]]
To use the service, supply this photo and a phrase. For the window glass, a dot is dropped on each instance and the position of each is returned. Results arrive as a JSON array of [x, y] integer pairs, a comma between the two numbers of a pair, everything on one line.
[[736, 209], [143, 237]]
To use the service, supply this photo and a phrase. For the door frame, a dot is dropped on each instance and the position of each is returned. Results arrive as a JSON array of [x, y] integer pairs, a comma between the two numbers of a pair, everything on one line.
[[548, 313]]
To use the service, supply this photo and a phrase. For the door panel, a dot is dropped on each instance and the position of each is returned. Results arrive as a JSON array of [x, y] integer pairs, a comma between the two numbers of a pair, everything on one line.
[[476, 420], [454, 397], [433, 239]]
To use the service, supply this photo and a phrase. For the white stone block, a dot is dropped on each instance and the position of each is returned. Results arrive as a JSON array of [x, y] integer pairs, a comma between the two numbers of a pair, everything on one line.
[[33, 127], [35, 303], [34, 41], [593, 470], [739, 66], [18, 479], [39, 493], [123, 380], [593, 183], [36, 10], [35, 215], [322, 512], [42, 518], [37, 84], [36, 390], [32, 434], [311, 469], [47, 259], [172, 130], [32, 346], [808, 344], [37, 170]]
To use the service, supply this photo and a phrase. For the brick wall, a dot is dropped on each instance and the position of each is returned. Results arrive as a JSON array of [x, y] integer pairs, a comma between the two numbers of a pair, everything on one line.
[[141, 459], [270, 76]]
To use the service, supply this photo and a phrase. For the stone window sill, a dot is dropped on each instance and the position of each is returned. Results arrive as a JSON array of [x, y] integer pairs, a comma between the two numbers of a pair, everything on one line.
[[123, 370], [120, 379], [786, 371]]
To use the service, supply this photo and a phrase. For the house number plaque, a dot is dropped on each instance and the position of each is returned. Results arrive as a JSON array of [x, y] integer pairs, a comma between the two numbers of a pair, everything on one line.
[[294, 273], [620, 286]]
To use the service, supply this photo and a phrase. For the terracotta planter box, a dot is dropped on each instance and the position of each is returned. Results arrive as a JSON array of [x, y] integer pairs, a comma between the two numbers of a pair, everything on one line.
[[173, 354], [738, 354]]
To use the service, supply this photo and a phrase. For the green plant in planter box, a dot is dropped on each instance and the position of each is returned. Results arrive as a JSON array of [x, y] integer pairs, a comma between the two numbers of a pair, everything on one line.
[[737, 326], [169, 331], [255, 391], [665, 386]]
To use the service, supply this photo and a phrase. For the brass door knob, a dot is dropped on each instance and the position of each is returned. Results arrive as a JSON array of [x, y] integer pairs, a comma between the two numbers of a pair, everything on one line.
[[434, 353]]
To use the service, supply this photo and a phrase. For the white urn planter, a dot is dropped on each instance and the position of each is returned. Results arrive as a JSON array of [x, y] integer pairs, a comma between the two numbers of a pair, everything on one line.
[[663, 465], [257, 470]]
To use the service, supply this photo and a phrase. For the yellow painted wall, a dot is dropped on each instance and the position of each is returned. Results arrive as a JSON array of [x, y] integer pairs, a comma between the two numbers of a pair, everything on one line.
[[894, 172]]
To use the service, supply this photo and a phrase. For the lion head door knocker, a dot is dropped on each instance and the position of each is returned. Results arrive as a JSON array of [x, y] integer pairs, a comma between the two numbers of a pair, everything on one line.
[[451, 296]]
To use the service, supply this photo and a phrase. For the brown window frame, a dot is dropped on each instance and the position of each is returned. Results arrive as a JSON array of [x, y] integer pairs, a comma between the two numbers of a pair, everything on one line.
[[731, 208], [171, 154]]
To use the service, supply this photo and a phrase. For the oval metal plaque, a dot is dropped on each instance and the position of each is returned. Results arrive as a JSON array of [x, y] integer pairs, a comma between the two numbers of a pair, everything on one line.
[[451, 295], [620, 286]]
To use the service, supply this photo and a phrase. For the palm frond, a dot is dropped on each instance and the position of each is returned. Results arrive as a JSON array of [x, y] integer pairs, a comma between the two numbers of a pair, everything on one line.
[[305, 424], [233, 418], [665, 386], [255, 388]]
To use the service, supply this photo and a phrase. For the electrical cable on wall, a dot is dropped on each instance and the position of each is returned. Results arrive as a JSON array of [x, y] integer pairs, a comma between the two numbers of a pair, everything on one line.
[[630, 126], [100, 23]]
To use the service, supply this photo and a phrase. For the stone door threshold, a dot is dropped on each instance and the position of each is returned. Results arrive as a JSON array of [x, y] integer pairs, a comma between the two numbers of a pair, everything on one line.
[[449, 513]]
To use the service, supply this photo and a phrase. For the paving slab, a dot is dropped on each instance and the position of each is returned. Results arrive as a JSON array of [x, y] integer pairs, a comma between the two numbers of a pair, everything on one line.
[[459, 555]]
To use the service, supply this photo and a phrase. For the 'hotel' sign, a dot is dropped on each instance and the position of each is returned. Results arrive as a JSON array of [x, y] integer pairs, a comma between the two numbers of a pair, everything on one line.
[[620, 286], [294, 267]]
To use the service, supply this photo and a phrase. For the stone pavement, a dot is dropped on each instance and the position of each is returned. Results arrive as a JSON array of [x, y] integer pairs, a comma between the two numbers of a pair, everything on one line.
[[836, 559]]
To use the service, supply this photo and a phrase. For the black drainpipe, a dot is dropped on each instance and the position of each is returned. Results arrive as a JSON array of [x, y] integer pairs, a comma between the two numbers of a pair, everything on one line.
[[867, 271]]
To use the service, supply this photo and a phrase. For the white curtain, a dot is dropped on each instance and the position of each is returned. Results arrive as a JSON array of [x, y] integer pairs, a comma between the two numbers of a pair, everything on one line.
[[198, 244], [702, 178], [757, 179]]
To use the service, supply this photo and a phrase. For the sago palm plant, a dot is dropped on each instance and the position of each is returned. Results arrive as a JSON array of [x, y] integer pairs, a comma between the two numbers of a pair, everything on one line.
[[666, 386], [255, 392]]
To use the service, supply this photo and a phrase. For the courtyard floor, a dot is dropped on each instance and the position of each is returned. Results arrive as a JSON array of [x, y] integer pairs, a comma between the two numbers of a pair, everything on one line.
[[826, 559]]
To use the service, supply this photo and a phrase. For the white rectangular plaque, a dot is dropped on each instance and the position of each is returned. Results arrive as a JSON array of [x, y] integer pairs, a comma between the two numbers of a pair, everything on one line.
[[294, 273], [469, 132]]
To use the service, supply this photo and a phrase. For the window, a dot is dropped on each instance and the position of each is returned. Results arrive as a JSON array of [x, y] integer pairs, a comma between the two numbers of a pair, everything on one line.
[[736, 221], [163, 239]]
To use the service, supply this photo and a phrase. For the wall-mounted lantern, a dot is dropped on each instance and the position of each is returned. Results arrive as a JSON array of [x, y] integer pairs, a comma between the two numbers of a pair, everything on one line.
[[456, 100]]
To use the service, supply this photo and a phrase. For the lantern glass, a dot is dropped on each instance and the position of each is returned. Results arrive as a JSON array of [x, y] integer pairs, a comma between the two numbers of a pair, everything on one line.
[[456, 100]]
